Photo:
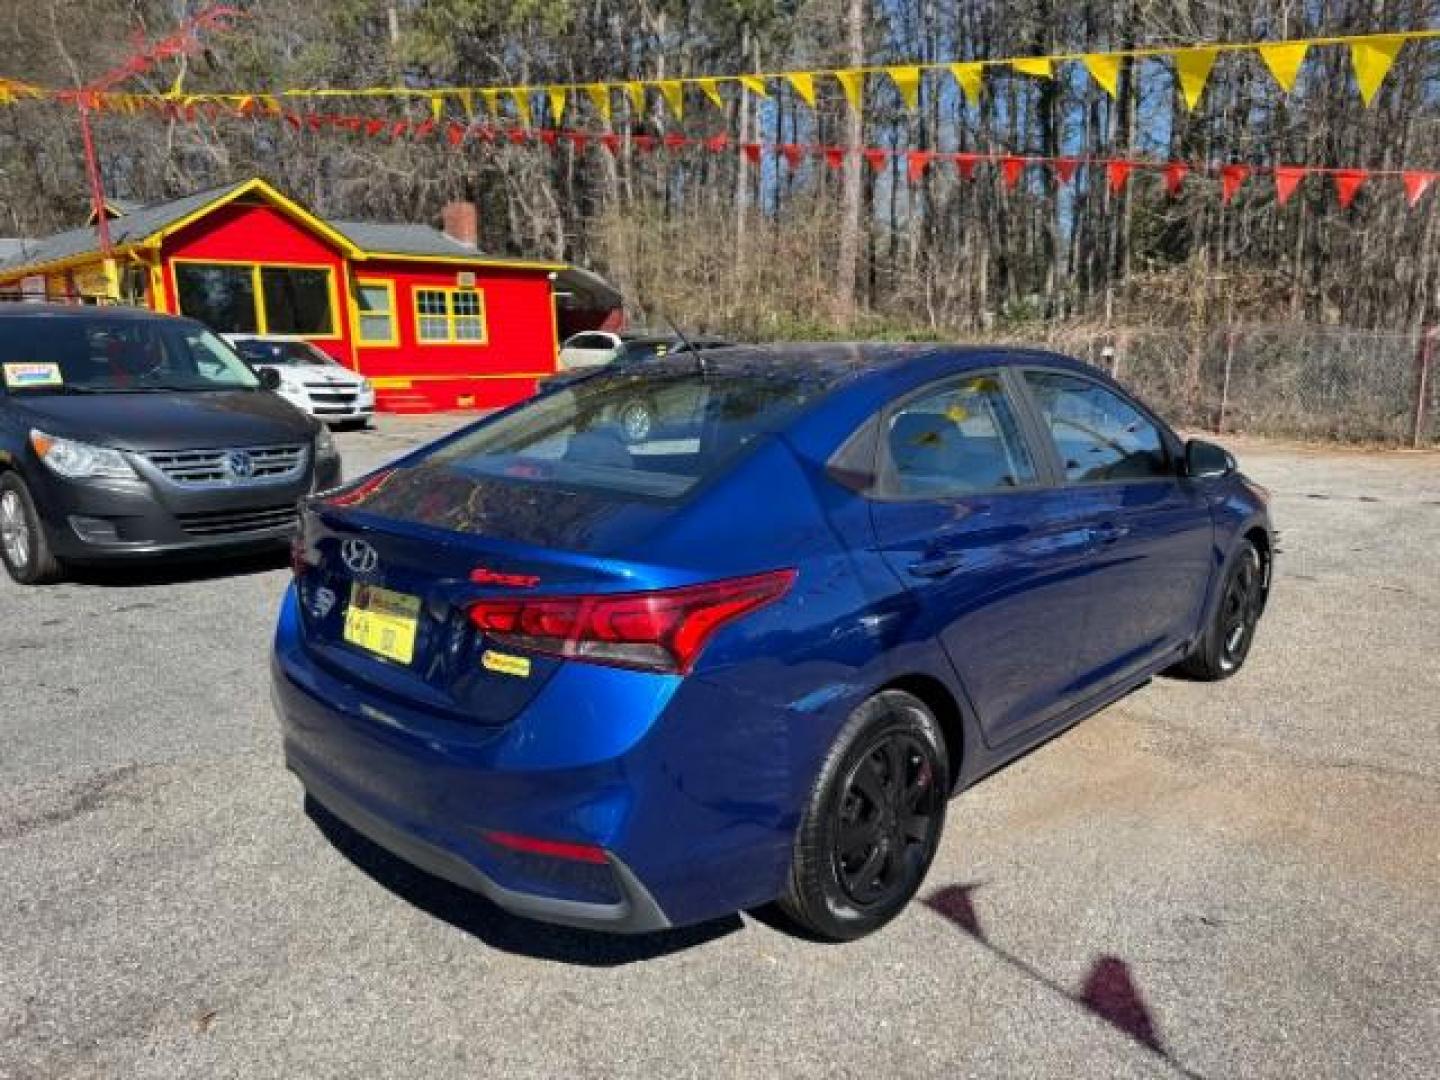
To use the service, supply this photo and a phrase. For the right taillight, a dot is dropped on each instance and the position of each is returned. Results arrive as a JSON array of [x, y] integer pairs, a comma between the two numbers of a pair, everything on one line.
[[657, 630]]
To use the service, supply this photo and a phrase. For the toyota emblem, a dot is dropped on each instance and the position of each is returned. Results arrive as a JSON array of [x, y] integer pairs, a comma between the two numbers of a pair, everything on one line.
[[240, 465], [359, 557]]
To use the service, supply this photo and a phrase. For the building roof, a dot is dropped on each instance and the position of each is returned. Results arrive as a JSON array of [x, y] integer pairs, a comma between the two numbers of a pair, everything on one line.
[[145, 224]]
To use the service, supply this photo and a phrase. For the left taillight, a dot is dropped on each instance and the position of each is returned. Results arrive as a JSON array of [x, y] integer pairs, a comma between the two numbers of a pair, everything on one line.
[[660, 630]]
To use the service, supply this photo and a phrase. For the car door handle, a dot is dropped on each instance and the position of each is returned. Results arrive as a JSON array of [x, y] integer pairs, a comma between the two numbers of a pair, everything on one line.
[[1109, 533], [937, 565]]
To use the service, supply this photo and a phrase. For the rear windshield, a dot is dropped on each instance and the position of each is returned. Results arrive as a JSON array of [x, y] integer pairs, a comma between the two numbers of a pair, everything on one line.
[[108, 354], [657, 434]]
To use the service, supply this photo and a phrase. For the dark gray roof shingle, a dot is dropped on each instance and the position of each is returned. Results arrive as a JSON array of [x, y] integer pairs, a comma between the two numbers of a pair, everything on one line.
[[380, 237]]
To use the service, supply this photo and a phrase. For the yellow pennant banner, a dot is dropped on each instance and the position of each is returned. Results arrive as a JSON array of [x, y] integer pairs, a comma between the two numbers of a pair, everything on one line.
[[1371, 56]]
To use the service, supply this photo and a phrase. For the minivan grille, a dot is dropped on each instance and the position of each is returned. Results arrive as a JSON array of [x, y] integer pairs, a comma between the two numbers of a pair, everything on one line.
[[234, 522], [227, 468]]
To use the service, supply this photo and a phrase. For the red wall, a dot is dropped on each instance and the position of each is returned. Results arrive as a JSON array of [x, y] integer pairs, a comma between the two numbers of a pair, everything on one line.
[[260, 233], [519, 346]]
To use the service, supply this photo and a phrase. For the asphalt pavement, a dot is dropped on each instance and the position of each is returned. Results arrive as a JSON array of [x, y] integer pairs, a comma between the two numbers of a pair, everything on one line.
[[1239, 879]]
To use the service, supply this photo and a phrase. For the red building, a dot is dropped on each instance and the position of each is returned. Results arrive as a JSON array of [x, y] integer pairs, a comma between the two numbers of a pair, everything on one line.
[[432, 321]]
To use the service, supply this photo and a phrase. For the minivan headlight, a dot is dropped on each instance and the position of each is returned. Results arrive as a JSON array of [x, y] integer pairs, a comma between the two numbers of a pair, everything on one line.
[[78, 460]]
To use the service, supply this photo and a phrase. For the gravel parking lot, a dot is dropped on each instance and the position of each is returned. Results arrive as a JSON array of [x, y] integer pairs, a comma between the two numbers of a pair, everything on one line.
[[1231, 880]]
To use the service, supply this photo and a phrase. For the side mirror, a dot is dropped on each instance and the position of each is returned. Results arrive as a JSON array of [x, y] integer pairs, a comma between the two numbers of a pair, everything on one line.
[[1205, 461], [269, 378]]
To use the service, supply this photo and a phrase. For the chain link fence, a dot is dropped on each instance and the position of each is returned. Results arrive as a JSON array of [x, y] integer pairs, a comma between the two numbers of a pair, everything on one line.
[[1307, 382]]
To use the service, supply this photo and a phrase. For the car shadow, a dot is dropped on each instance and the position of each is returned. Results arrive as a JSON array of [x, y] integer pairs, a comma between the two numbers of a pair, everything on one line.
[[495, 927], [140, 575]]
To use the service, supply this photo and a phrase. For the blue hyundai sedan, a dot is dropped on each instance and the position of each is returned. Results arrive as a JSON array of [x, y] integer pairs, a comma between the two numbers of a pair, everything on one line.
[[632, 685]]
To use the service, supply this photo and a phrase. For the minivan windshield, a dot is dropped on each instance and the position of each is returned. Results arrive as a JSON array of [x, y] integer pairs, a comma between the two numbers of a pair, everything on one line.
[[100, 353], [655, 434], [282, 352]]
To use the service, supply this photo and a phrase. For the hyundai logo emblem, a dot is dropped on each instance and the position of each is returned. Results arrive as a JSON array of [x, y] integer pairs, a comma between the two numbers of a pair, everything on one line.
[[359, 557], [240, 465]]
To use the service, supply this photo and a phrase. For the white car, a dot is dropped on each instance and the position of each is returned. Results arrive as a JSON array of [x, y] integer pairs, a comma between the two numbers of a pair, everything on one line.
[[588, 349], [311, 380]]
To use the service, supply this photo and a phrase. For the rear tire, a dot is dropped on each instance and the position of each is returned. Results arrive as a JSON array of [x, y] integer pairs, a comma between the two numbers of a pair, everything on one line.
[[24, 547], [873, 821], [1225, 645]]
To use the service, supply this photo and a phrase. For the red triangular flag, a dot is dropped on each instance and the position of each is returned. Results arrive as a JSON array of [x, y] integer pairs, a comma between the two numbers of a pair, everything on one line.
[[1175, 174], [372, 127], [548, 136], [352, 123], [1011, 169], [485, 133], [610, 141], [792, 154], [675, 141], [1231, 177], [643, 143], [518, 136], [1287, 178], [400, 127], [1416, 184], [295, 121], [835, 157], [424, 128], [1117, 173], [455, 133], [578, 139], [1348, 183], [1065, 168], [876, 157], [751, 151], [966, 164], [917, 161], [717, 143]]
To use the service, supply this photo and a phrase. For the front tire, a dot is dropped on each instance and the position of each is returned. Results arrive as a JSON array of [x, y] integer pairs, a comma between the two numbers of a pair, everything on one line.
[[1225, 645], [873, 822], [24, 547]]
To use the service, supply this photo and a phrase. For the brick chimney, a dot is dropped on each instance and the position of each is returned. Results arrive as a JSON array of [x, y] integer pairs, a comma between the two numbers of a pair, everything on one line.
[[461, 222]]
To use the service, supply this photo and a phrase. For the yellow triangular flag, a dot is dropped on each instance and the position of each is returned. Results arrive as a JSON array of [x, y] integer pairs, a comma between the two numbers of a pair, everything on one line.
[[1104, 68], [437, 107], [492, 101], [556, 97], [755, 84], [522, 105], [674, 94], [852, 85], [1192, 68], [636, 93], [970, 77], [1042, 67], [467, 101], [1372, 60], [804, 84], [599, 95], [711, 87], [1284, 61], [907, 81]]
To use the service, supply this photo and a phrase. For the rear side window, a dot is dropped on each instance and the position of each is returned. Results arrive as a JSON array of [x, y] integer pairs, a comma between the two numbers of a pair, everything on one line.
[[956, 440], [1099, 435], [657, 434]]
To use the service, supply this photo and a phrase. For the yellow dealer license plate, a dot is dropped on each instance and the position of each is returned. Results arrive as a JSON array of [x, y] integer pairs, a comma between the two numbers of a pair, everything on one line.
[[383, 622]]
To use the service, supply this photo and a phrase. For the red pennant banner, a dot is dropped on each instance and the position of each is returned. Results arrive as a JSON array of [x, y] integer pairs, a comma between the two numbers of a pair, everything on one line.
[[549, 136], [1175, 174], [1065, 169], [751, 151], [966, 164], [1117, 175], [1348, 183], [454, 134], [424, 129], [610, 141], [400, 127], [1011, 169], [674, 141], [643, 143], [373, 127], [716, 144], [792, 154], [1287, 178], [518, 136], [1416, 184], [916, 162], [834, 157], [578, 139], [876, 156], [295, 121], [1231, 177]]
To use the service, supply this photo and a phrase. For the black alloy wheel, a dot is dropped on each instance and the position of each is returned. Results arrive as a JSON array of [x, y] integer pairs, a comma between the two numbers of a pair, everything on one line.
[[1225, 644]]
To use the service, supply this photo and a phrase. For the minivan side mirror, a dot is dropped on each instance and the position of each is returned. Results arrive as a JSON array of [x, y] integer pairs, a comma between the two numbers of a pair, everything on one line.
[[1205, 461], [269, 378]]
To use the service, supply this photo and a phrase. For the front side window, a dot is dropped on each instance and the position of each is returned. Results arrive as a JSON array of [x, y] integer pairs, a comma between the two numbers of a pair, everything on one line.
[[1098, 434], [444, 316], [250, 299], [376, 300], [956, 440]]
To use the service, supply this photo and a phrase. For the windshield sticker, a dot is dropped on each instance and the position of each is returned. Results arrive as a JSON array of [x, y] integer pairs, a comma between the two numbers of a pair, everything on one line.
[[25, 376], [505, 664]]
